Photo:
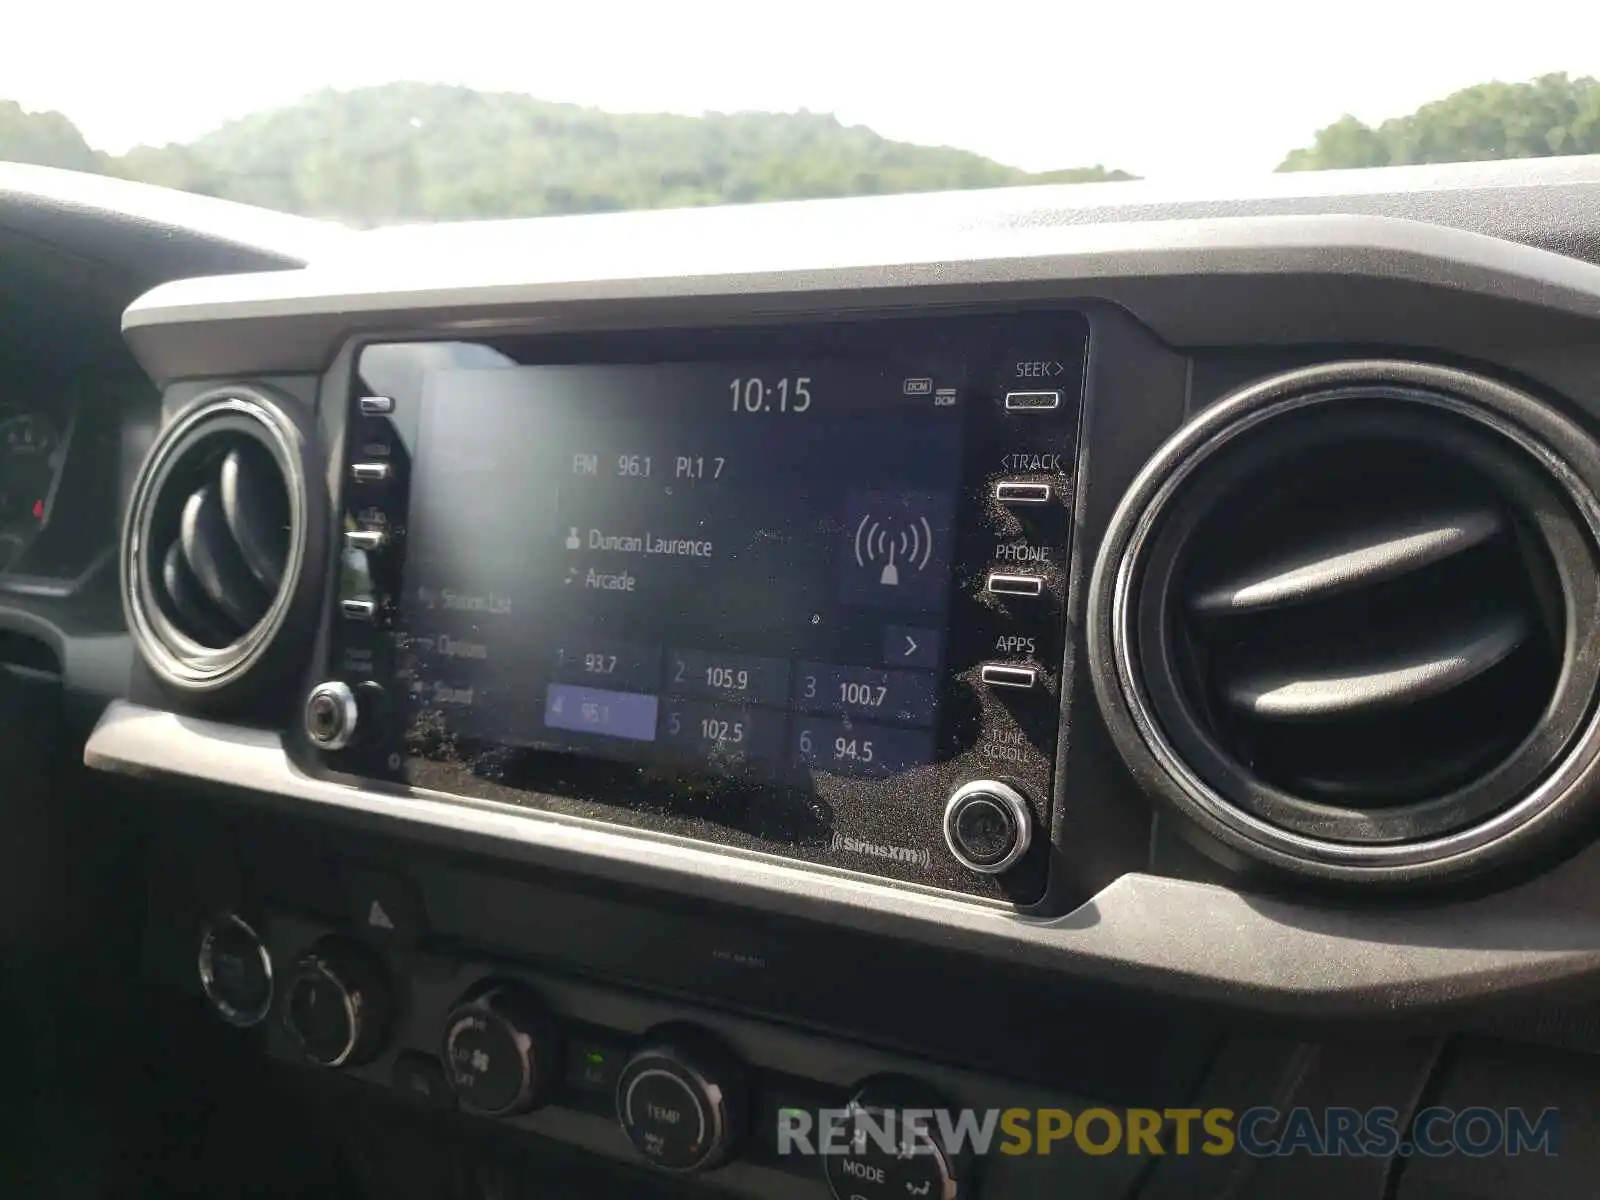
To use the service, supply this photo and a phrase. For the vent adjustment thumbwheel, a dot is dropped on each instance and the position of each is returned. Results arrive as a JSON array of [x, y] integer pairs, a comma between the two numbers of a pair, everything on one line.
[[1338, 622], [223, 519]]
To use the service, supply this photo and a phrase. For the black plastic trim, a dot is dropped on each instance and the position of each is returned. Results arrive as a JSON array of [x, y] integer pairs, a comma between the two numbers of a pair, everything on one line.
[[1169, 936]]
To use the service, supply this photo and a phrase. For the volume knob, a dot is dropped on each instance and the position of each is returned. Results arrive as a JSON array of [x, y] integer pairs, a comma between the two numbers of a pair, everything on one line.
[[331, 715]]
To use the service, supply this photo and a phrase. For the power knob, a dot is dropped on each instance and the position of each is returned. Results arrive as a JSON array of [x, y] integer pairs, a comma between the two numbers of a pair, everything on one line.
[[988, 826], [681, 1101], [337, 1005], [500, 1050], [331, 715]]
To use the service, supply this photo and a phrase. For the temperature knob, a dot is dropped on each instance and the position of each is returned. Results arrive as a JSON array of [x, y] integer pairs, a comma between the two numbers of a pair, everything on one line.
[[500, 1050], [681, 1101]]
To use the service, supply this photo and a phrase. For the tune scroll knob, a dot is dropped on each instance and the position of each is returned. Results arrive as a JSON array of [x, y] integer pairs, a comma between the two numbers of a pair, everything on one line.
[[681, 1101], [337, 1006], [500, 1051], [988, 826]]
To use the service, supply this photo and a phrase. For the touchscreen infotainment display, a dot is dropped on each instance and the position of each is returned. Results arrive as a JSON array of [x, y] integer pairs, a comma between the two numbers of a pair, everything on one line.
[[743, 566]]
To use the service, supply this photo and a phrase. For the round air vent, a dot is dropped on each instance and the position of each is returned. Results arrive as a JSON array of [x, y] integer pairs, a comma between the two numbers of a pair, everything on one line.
[[214, 551], [1347, 620]]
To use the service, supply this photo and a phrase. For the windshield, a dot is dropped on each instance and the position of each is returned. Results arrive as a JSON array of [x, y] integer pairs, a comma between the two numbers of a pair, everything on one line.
[[374, 114]]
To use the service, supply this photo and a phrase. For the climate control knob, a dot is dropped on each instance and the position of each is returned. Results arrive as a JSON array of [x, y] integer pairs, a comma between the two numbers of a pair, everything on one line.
[[337, 1005], [235, 971], [988, 826], [500, 1050], [681, 1101], [894, 1146]]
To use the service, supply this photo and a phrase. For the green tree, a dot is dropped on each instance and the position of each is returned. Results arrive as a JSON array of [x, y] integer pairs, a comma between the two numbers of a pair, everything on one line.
[[1552, 115], [44, 139]]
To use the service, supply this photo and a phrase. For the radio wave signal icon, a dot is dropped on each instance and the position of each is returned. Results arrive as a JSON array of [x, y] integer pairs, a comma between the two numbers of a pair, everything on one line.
[[910, 546]]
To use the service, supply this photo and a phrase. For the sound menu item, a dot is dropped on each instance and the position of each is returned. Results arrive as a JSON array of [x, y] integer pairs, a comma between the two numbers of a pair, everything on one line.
[[744, 567]]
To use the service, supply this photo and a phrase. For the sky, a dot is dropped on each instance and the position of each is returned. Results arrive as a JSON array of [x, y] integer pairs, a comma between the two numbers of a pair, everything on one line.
[[1211, 88]]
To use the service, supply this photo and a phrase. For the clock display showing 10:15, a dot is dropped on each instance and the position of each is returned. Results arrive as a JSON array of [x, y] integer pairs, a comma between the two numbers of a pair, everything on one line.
[[786, 395]]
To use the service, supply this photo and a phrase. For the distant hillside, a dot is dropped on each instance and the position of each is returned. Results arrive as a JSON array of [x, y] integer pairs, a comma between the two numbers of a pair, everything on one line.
[[409, 152], [1548, 116]]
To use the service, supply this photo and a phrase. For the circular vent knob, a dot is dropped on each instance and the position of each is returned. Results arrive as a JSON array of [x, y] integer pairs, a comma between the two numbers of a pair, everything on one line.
[[213, 557], [1338, 622]]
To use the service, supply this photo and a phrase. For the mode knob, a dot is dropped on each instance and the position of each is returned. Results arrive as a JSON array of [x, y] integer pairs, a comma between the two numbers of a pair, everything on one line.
[[681, 1101], [337, 1005], [235, 970], [331, 715], [893, 1148], [500, 1050], [988, 826]]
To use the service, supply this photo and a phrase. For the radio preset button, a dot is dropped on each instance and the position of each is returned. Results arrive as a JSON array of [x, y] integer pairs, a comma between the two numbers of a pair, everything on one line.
[[370, 472], [1006, 676], [1032, 401], [1022, 493], [1015, 585], [375, 406]]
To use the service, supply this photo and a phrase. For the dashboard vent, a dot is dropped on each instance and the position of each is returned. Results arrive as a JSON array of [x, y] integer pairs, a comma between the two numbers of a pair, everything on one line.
[[1348, 622], [216, 541]]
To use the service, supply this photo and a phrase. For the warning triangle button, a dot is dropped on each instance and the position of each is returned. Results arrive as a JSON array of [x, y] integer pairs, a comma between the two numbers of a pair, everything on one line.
[[378, 918]]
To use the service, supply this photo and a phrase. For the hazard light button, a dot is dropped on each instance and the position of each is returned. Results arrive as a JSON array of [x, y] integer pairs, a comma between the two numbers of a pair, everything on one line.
[[383, 906]]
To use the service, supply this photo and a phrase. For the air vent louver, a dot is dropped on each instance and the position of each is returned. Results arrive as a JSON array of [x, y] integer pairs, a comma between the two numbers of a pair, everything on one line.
[[1343, 620], [216, 539]]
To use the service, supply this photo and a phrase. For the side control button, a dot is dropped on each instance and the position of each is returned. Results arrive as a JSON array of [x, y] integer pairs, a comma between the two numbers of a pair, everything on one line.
[[593, 1065], [370, 472], [1022, 493], [359, 608], [988, 826], [1032, 401], [1016, 585], [375, 406], [331, 715], [365, 539], [1001, 675]]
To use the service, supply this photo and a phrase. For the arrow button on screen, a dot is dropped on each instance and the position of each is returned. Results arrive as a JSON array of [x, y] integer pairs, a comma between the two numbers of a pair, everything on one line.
[[911, 646]]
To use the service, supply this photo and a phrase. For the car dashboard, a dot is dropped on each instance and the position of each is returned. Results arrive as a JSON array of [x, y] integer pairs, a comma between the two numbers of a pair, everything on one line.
[[598, 697]]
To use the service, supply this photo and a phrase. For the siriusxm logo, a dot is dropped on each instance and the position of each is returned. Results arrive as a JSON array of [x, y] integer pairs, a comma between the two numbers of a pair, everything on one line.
[[903, 854]]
